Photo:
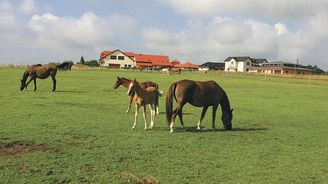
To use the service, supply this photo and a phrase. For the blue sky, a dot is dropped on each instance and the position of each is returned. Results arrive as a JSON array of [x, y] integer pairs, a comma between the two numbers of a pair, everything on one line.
[[37, 31]]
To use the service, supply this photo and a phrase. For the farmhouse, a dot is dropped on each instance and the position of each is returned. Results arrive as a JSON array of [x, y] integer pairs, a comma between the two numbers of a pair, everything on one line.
[[283, 68], [242, 64], [119, 59]]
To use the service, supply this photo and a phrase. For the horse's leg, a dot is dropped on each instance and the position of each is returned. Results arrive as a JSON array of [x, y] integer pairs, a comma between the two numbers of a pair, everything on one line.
[[157, 104], [202, 117], [34, 84], [28, 82], [130, 102], [180, 117], [174, 115], [135, 116], [152, 116], [54, 82], [215, 107], [144, 115]]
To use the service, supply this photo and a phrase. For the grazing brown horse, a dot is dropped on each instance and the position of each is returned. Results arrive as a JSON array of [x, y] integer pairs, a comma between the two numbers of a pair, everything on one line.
[[199, 94], [41, 72], [126, 82], [148, 96]]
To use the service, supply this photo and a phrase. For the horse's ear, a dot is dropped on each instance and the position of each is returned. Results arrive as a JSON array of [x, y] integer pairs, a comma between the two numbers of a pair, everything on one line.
[[231, 110], [118, 78]]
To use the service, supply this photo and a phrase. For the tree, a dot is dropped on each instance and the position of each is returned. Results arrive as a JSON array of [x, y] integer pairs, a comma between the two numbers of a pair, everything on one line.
[[92, 63], [82, 60]]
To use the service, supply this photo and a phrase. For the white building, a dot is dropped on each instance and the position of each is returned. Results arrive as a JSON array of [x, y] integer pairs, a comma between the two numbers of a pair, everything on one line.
[[117, 59], [237, 64], [242, 64]]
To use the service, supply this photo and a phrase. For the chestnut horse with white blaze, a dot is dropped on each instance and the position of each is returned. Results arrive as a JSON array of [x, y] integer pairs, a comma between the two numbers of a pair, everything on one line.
[[148, 96], [199, 94]]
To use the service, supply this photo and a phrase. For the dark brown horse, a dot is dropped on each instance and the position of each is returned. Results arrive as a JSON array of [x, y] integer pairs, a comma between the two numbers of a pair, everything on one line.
[[42, 72], [199, 94], [126, 82], [65, 66]]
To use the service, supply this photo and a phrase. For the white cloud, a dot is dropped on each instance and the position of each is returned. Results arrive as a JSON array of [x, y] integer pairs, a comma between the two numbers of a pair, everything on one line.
[[6, 6], [28, 7], [223, 37], [285, 9], [88, 31], [281, 28]]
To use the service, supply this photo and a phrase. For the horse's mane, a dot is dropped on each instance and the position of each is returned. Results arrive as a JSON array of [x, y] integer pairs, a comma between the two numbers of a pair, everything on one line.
[[125, 79]]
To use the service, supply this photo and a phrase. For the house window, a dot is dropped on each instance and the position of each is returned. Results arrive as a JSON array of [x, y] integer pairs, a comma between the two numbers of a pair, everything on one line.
[[231, 62], [120, 58], [113, 57], [247, 63]]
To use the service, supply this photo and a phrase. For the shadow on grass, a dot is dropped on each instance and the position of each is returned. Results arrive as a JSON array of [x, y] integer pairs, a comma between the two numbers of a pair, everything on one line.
[[194, 129], [50, 91], [69, 91]]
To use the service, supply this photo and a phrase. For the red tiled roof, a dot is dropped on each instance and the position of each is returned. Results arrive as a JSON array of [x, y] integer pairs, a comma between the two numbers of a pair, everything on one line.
[[155, 60], [143, 64], [186, 65], [105, 53], [175, 62]]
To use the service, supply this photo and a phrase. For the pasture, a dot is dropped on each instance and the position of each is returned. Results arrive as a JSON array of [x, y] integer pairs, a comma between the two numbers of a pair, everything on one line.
[[81, 133]]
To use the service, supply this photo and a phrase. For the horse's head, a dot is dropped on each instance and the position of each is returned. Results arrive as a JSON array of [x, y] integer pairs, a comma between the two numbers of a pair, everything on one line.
[[226, 119], [118, 83], [132, 87], [23, 85]]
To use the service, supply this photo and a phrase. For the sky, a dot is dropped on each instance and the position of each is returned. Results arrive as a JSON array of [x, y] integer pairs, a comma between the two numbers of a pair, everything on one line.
[[199, 31]]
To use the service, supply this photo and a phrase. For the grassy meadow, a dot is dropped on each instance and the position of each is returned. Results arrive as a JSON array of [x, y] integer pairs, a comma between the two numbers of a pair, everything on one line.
[[279, 132]]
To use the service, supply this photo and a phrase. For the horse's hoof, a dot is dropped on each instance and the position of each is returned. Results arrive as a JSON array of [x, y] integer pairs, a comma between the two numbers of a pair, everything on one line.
[[228, 127], [133, 128], [171, 131]]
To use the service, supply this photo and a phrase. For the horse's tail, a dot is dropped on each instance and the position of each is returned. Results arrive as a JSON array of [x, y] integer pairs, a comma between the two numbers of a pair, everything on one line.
[[169, 102], [160, 93]]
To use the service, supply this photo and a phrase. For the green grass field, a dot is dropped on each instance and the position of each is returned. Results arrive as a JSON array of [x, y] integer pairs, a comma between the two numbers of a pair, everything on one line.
[[279, 132]]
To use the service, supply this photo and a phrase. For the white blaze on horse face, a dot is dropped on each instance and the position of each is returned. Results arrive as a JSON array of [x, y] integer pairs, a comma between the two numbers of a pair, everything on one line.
[[130, 86]]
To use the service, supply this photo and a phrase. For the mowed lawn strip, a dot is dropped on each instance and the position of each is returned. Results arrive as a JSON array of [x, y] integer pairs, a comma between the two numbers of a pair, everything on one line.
[[279, 132]]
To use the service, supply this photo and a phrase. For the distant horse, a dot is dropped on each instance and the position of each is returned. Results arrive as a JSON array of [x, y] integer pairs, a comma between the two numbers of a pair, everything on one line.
[[148, 96], [165, 70], [65, 66], [126, 82], [41, 72], [175, 71], [199, 94]]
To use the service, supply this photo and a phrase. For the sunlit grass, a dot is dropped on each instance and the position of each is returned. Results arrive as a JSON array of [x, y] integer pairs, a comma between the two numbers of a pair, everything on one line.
[[279, 132]]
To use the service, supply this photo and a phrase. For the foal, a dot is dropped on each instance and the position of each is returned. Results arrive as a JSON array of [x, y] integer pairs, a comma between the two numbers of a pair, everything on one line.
[[126, 83], [144, 97]]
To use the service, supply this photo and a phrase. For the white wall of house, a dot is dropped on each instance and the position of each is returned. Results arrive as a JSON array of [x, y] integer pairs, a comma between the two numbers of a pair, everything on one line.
[[235, 66], [118, 58], [231, 66]]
